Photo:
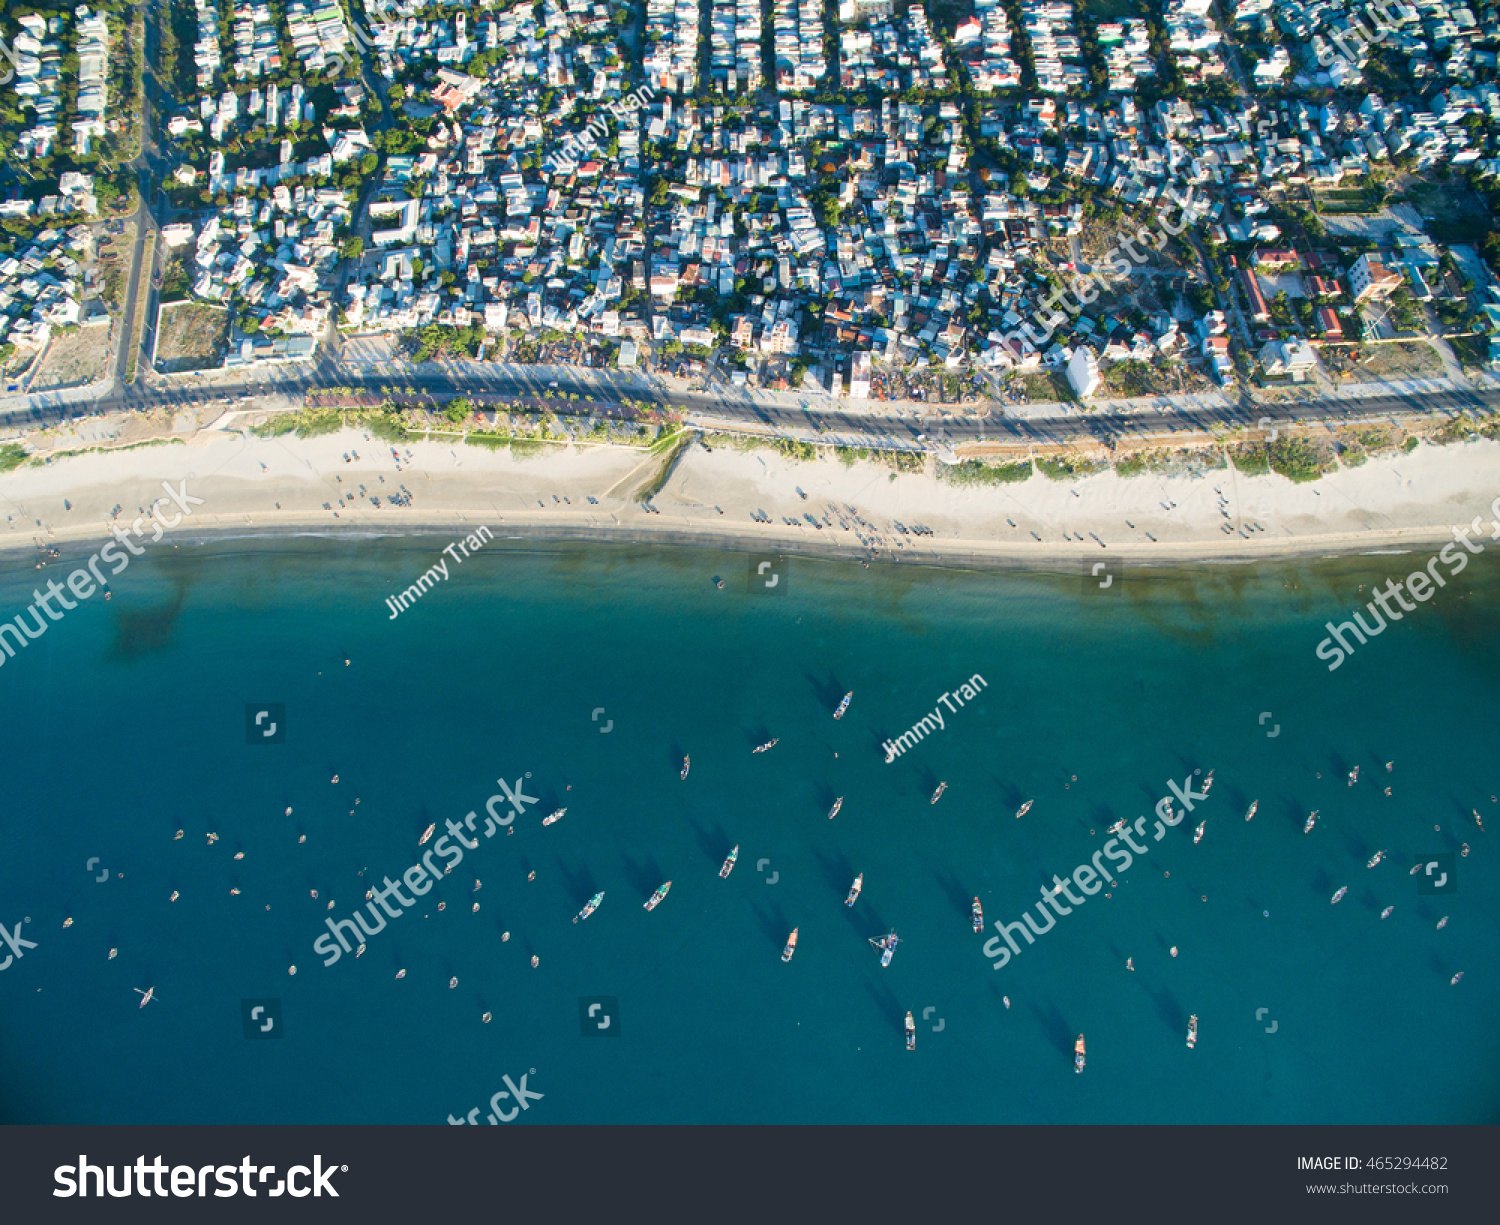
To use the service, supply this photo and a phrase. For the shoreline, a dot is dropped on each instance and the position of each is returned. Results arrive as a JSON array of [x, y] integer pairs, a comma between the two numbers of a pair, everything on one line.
[[941, 555], [749, 501]]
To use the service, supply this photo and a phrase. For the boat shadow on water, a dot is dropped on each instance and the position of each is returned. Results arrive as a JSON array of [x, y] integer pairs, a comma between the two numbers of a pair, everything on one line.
[[578, 881], [644, 876], [774, 924], [1168, 1009], [887, 1005], [1054, 1027], [827, 692], [1010, 794], [712, 841], [961, 899], [837, 870]]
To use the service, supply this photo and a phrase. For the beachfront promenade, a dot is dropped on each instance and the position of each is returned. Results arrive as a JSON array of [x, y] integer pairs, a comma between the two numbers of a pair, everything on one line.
[[570, 391]]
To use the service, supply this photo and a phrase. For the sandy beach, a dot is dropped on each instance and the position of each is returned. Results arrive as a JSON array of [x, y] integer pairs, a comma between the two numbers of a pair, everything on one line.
[[252, 485]]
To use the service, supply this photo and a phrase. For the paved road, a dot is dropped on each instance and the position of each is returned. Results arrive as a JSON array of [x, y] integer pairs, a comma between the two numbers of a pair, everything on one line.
[[522, 388]]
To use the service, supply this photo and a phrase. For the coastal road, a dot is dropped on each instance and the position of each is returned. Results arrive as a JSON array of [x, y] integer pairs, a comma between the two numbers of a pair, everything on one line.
[[522, 389]]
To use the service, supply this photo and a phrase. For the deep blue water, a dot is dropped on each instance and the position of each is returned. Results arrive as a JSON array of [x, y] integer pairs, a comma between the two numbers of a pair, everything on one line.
[[126, 722]]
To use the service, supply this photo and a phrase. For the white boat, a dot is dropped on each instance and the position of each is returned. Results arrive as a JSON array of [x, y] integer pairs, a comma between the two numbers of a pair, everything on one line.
[[791, 946], [146, 996], [859, 883], [591, 907], [1208, 783], [1312, 818], [1024, 809], [1375, 858], [1254, 804], [887, 946], [729, 863], [686, 765], [655, 899], [426, 834], [555, 817], [1198, 833], [938, 794], [834, 811], [911, 1032], [1442, 923], [1119, 827], [769, 744], [844, 705], [1192, 1034], [1386, 913], [1339, 896], [1078, 1054], [1415, 868]]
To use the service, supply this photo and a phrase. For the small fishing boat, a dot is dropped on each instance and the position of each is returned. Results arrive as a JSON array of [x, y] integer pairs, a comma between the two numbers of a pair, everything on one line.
[[1478, 820], [887, 946], [1078, 1054], [769, 744], [1354, 776], [1375, 858], [1024, 809], [1442, 923], [834, 811], [655, 899], [1254, 804], [1208, 783], [687, 763], [1453, 982], [977, 913], [1198, 833], [1386, 913], [1005, 999], [591, 907], [1415, 868], [1312, 819], [938, 794], [911, 1033], [555, 817], [1118, 827], [1339, 896], [426, 834], [859, 883], [146, 996], [1192, 1034], [729, 863], [844, 705], [791, 946]]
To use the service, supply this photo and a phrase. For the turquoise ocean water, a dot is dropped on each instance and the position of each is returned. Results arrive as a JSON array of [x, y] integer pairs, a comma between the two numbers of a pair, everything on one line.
[[126, 722]]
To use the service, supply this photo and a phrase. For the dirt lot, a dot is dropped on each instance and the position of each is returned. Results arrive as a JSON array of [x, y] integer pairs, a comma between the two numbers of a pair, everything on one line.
[[1401, 360], [192, 337], [75, 359], [113, 262]]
